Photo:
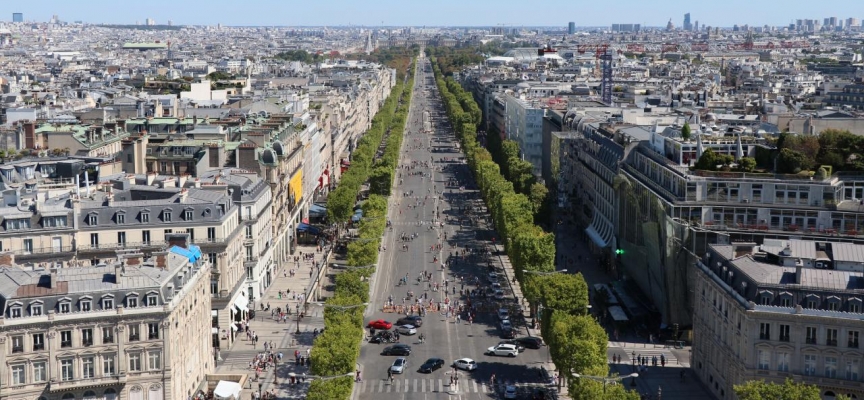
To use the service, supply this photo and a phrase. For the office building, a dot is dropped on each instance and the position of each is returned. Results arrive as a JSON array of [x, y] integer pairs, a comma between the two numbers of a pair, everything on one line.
[[687, 26], [785, 309], [626, 27], [571, 28], [17, 17], [135, 328]]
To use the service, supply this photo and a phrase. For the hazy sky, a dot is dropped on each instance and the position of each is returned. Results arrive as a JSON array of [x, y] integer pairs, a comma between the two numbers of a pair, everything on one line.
[[433, 12]]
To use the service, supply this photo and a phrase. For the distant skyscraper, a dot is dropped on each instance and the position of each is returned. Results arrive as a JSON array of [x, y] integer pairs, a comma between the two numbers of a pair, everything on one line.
[[17, 17], [170, 23], [687, 25], [571, 28], [696, 26]]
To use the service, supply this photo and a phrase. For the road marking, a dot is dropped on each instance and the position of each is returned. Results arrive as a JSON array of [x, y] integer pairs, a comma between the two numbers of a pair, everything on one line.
[[422, 385], [363, 386], [415, 385], [475, 386], [389, 388], [380, 386], [440, 385], [398, 381]]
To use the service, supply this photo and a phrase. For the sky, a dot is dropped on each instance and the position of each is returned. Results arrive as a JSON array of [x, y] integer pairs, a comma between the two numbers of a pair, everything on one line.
[[378, 13]]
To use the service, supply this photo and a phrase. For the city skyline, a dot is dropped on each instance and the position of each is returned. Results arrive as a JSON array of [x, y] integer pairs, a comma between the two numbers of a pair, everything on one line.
[[443, 13]]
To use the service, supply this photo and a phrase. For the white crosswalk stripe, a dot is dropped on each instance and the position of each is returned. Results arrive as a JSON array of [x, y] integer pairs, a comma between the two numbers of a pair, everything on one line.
[[652, 352], [421, 385]]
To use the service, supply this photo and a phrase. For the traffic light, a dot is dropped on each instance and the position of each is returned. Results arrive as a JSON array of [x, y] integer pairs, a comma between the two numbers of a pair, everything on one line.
[[619, 252]]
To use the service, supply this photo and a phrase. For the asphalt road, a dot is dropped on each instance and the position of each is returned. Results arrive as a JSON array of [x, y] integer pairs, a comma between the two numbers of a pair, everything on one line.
[[413, 214]]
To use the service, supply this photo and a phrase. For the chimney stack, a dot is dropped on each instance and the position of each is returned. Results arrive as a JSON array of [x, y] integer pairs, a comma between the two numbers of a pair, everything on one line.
[[119, 270], [52, 282], [178, 239], [799, 269]]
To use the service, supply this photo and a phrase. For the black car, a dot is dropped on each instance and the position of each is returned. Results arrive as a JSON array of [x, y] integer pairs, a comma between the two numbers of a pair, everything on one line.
[[410, 320], [508, 333], [397, 350], [530, 342], [431, 365], [518, 345]]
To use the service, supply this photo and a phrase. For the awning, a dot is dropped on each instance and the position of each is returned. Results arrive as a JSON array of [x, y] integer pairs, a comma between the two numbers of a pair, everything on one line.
[[227, 390], [316, 209], [600, 231], [618, 314], [242, 302], [595, 236], [308, 228]]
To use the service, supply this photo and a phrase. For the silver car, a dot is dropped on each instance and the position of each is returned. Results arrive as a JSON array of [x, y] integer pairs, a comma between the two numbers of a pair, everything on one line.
[[398, 366], [406, 330]]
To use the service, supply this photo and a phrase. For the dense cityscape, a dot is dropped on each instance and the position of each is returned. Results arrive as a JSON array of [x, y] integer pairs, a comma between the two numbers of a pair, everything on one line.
[[673, 211]]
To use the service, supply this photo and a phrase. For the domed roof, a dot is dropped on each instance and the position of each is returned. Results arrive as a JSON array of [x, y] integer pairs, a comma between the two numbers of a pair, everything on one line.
[[278, 148], [268, 156]]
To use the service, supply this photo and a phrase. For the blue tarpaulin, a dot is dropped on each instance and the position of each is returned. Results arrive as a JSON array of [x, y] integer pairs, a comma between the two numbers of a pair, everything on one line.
[[193, 253]]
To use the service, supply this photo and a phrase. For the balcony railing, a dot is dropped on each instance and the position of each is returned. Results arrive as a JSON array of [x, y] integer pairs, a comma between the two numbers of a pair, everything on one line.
[[38, 346], [831, 342], [123, 245], [43, 250], [810, 340], [853, 344]]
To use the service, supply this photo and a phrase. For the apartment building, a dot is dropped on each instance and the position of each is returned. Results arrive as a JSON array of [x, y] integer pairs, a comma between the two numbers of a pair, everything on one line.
[[136, 328], [524, 125], [788, 309]]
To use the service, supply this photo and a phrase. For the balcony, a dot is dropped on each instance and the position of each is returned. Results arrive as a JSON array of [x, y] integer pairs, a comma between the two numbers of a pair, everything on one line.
[[123, 245], [153, 336], [831, 342], [810, 340], [784, 338], [43, 250], [134, 338], [38, 346], [66, 344], [87, 342], [17, 349], [57, 385], [853, 344], [108, 339]]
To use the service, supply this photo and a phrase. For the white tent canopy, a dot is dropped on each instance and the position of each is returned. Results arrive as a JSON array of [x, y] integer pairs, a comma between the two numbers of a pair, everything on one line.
[[227, 390]]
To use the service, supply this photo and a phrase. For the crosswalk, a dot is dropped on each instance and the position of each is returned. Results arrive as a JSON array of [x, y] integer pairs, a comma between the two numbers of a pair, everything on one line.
[[431, 385], [648, 352]]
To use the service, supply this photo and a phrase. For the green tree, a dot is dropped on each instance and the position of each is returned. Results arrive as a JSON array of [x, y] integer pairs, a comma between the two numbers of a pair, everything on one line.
[[362, 252], [352, 284], [792, 161], [788, 390], [685, 131], [747, 164], [330, 389], [708, 161], [537, 193]]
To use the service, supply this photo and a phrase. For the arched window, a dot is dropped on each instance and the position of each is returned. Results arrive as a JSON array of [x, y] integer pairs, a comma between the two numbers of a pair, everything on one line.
[[89, 395], [69, 396], [110, 394]]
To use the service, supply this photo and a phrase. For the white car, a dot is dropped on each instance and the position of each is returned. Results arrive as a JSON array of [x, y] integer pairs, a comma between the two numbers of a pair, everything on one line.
[[503, 314], [398, 366], [510, 392], [406, 330], [508, 350], [505, 325], [466, 364]]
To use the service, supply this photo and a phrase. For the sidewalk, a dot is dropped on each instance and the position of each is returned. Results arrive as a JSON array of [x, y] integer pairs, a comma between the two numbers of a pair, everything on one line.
[[283, 336]]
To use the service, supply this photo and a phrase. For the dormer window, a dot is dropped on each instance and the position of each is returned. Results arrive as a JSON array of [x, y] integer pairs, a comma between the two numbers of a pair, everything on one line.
[[145, 217], [85, 305], [65, 307], [166, 216], [107, 303], [132, 300], [854, 305], [36, 310], [17, 224], [151, 300], [92, 220], [833, 303], [15, 311], [187, 215], [812, 301], [121, 218]]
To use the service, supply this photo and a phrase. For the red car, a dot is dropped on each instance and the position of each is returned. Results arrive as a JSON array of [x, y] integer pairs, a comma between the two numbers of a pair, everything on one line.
[[379, 324]]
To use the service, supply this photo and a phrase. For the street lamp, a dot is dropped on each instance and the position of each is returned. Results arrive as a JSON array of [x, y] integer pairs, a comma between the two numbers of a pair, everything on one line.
[[607, 379]]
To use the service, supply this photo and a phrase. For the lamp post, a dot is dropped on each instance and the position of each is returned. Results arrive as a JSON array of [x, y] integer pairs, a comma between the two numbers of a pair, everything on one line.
[[607, 379]]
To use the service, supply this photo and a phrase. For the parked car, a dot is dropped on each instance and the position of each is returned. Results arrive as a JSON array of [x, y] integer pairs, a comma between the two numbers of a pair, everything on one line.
[[499, 295], [503, 314], [398, 366], [411, 320], [508, 350], [397, 350], [508, 334], [406, 330], [519, 347], [431, 364], [466, 364], [379, 324], [530, 342], [505, 325], [510, 392], [493, 277]]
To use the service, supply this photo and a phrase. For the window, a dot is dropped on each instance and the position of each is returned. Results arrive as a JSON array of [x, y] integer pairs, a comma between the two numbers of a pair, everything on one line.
[[39, 372], [92, 220], [812, 303], [853, 339], [187, 215], [810, 364], [783, 362], [107, 303], [854, 307], [145, 237], [66, 370], [166, 216], [830, 367], [107, 335], [145, 217], [17, 344], [38, 341], [18, 376], [135, 362], [121, 238], [35, 310], [85, 305], [28, 245], [765, 331], [211, 234], [250, 255], [65, 307], [154, 361], [121, 218], [765, 300], [108, 365], [810, 337], [833, 305], [65, 338], [134, 333], [784, 333], [852, 370], [87, 367], [131, 301], [785, 302], [94, 240], [764, 359], [248, 231], [831, 337], [153, 330], [87, 336], [151, 300], [15, 312]]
